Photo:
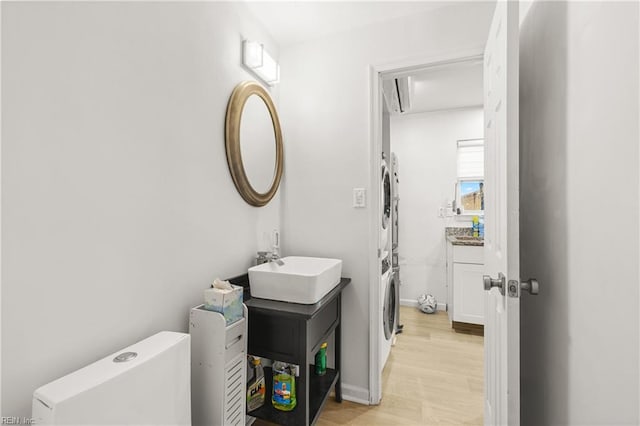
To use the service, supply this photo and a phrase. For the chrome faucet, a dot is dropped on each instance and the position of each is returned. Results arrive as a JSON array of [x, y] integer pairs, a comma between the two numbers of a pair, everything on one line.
[[275, 257], [263, 257], [268, 256]]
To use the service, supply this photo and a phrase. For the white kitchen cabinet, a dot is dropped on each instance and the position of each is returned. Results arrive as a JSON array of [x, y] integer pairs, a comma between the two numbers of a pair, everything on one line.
[[468, 293], [468, 254], [465, 267]]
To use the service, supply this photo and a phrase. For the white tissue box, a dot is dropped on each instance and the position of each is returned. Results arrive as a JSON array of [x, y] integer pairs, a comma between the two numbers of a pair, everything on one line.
[[226, 302]]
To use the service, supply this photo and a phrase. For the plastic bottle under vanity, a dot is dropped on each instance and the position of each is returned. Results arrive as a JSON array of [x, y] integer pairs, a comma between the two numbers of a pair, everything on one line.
[[284, 386], [321, 360], [256, 385]]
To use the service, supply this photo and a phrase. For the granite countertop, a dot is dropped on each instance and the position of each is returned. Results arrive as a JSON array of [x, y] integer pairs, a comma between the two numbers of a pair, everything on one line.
[[462, 237]]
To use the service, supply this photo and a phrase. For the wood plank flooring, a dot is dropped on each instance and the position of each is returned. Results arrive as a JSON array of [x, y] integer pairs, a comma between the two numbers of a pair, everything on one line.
[[434, 376]]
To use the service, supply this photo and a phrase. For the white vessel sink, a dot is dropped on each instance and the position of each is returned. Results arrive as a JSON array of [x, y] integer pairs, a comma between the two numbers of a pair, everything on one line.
[[303, 280]]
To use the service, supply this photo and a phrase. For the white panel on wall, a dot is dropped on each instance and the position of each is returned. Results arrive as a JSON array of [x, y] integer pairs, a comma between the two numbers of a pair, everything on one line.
[[426, 146]]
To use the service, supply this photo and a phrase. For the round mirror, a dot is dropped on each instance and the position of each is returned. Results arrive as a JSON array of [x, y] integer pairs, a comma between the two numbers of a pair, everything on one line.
[[257, 144], [253, 141]]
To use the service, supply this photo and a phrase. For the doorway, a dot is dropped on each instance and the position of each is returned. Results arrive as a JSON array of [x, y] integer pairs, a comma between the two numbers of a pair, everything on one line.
[[423, 95]]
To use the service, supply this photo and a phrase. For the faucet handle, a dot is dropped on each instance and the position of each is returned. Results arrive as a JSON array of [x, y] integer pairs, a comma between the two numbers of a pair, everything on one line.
[[263, 257]]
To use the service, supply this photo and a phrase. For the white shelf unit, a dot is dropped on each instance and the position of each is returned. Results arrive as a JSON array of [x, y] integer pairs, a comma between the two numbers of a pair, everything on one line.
[[218, 368]]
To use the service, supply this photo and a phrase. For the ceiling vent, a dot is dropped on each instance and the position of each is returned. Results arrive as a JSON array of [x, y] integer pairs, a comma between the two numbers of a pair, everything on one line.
[[397, 94]]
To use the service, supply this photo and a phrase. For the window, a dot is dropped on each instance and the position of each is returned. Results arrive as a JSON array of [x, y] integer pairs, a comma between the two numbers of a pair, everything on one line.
[[470, 185]]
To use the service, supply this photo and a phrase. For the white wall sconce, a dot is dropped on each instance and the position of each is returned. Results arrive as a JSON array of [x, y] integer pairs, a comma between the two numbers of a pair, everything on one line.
[[256, 59]]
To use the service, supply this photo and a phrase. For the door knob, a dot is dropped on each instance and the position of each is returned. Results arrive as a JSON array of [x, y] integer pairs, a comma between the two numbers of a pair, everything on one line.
[[531, 285], [489, 282]]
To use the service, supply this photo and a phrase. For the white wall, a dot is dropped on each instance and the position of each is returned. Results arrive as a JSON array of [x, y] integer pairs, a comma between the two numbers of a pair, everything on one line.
[[426, 146], [117, 205], [325, 108], [579, 212]]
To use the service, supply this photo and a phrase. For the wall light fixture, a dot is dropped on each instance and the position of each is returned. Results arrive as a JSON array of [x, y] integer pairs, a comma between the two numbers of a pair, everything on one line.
[[256, 59]]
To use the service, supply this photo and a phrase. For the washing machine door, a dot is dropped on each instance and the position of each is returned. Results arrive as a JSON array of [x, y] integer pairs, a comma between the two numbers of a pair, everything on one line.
[[385, 200], [389, 308]]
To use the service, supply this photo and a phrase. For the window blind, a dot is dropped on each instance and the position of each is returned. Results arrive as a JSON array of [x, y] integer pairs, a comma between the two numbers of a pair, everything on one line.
[[471, 159]]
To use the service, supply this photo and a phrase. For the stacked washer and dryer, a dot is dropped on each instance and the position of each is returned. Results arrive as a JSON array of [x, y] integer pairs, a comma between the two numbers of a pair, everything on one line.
[[389, 282], [395, 201]]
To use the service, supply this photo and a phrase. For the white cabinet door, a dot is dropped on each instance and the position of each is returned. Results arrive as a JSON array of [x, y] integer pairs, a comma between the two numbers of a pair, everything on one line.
[[468, 254], [468, 296]]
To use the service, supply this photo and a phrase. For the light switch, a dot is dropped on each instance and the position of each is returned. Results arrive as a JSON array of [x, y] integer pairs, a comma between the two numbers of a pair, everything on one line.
[[359, 198]]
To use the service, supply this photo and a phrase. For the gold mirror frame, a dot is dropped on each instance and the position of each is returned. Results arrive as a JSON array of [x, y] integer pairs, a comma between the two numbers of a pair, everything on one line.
[[232, 142]]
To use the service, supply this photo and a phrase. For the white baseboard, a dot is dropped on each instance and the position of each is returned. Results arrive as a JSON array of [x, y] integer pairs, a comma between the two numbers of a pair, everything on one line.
[[414, 304], [355, 394], [409, 302]]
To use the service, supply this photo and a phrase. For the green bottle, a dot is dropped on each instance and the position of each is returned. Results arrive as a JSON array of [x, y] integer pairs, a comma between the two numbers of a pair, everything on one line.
[[321, 360], [284, 387], [475, 226]]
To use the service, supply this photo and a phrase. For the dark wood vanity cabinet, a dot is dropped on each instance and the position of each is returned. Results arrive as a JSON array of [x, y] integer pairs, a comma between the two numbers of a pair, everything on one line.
[[293, 333]]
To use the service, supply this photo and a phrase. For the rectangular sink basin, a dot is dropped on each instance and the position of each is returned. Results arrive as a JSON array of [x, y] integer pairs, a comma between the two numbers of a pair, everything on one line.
[[303, 280]]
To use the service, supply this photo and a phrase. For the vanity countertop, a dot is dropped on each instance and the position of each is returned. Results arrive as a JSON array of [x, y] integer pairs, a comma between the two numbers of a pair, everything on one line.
[[296, 309], [462, 237], [286, 308]]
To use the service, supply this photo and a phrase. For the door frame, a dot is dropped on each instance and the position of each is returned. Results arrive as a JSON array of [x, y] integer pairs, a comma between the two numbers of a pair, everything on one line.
[[376, 73]]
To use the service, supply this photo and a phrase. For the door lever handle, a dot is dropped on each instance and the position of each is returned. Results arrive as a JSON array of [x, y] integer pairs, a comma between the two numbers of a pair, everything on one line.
[[489, 282]]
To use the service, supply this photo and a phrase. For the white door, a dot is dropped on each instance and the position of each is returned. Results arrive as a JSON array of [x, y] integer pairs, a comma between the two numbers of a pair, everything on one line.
[[501, 250]]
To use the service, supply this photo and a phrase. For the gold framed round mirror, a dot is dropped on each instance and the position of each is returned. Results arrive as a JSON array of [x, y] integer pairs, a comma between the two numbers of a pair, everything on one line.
[[253, 142]]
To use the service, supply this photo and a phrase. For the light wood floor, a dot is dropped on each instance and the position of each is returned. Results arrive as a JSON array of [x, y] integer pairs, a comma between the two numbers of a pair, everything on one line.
[[434, 376]]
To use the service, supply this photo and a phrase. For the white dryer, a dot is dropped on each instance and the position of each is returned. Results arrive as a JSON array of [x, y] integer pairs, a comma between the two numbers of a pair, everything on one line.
[[385, 209], [395, 200]]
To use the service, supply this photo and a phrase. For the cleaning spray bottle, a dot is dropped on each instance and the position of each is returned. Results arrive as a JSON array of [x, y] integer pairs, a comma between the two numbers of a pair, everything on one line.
[[256, 386]]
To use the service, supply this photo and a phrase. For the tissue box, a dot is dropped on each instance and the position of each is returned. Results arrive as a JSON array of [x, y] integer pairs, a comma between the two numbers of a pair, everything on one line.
[[226, 302]]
